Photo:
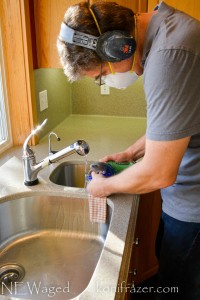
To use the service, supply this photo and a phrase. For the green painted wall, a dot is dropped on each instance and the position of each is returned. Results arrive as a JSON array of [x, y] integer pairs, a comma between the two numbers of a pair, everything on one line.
[[83, 97], [87, 100], [59, 97]]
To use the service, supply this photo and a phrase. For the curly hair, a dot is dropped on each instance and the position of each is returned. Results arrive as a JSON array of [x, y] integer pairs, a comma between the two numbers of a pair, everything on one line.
[[110, 16]]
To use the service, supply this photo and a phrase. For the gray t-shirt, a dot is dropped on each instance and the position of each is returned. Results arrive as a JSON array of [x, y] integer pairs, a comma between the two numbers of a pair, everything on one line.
[[171, 60]]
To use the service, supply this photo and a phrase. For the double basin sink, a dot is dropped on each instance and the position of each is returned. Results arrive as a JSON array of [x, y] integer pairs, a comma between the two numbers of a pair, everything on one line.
[[48, 246]]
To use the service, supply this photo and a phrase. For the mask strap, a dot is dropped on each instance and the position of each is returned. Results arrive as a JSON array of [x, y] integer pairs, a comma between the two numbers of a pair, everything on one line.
[[95, 19], [135, 20]]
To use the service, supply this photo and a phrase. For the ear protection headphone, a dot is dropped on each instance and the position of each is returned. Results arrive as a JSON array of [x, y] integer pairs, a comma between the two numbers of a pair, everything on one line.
[[111, 46]]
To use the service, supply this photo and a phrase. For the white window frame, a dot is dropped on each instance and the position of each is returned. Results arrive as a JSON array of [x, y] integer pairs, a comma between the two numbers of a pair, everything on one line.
[[5, 128]]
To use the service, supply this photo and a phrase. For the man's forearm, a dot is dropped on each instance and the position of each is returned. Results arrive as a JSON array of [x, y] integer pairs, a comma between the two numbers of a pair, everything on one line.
[[137, 150]]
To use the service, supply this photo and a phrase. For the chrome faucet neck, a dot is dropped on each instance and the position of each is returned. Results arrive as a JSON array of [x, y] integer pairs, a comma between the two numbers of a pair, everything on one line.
[[31, 168]]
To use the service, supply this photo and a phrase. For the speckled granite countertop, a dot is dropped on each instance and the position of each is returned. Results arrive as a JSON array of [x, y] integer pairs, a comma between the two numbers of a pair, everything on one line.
[[104, 135]]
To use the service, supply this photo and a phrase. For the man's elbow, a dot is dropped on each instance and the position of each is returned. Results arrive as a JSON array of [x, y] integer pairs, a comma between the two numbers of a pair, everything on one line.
[[164, 182]]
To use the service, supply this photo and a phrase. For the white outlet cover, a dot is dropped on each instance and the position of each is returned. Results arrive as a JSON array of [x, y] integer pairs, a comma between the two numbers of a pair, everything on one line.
[[43, 100], [105, 90]]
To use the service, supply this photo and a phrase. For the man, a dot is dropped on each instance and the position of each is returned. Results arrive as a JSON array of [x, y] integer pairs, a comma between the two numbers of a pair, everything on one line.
[[168, 55]]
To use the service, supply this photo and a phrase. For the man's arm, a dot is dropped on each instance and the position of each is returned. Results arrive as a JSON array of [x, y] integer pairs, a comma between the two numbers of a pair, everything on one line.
[[132, 153], [158, 169]]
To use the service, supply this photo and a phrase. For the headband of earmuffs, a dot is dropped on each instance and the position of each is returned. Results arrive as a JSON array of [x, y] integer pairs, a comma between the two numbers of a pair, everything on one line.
[[111, 46]]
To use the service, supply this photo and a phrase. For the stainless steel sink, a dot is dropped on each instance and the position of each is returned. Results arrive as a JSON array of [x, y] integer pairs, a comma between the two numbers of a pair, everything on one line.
[[70, 174], [48, 247]]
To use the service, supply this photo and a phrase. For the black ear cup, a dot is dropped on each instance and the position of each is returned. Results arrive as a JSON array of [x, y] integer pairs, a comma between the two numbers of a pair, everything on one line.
[[115, 46]]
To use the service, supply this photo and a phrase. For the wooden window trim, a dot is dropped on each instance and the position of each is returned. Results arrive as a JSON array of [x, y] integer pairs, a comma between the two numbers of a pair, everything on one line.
[[16, 36]]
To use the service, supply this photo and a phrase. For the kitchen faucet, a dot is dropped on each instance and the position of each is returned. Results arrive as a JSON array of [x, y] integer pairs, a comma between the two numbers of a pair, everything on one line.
[[32, 168]]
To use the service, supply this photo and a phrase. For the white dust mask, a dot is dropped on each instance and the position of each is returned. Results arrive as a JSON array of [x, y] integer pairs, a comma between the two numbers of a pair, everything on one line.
[[120, 80]]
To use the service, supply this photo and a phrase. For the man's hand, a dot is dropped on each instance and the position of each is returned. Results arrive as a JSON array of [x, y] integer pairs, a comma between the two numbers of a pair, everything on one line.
[[132, 153], [118, 157], [97, 186]]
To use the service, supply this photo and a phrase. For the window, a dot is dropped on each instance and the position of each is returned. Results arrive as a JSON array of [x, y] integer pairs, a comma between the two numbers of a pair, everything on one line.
[[5, 132]]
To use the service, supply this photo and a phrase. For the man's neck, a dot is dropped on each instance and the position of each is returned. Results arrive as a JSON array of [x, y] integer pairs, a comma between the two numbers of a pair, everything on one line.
[[142, 21]]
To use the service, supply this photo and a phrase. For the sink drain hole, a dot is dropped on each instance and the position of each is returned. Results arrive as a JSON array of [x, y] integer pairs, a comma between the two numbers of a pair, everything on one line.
[[11, 273]]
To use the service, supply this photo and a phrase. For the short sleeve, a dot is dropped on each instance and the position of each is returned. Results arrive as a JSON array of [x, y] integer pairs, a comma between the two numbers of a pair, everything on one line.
[[172, 89]]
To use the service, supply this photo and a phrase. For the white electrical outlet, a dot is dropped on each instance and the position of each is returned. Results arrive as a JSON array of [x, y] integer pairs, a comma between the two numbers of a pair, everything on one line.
[[43, 100], [105, 90]]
